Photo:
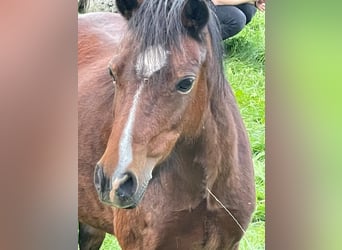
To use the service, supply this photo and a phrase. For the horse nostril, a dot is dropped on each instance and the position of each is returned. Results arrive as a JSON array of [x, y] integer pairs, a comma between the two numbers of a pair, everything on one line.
[[102, 183], [127, 188], [98, 177]]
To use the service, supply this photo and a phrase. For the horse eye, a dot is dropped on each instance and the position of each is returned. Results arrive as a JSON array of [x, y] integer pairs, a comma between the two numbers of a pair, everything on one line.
[[111, 73], [185, 85]]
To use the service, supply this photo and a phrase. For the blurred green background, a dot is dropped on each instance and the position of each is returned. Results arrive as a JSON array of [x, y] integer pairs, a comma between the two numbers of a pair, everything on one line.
[[303, 125]]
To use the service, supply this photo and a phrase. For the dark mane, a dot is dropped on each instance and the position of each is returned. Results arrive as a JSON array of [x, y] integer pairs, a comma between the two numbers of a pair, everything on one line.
[[158, 22]]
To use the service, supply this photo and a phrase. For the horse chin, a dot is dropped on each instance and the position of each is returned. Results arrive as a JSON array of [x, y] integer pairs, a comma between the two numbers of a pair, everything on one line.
[[132, 203], [123, 206], [131, 207]]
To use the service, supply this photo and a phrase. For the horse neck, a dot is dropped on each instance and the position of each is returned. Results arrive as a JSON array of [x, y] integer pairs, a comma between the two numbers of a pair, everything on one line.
[[226, 155], [213, 159]]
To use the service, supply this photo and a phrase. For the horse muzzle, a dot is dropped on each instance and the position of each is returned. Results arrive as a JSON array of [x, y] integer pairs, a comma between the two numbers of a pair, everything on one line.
[[122, 190]]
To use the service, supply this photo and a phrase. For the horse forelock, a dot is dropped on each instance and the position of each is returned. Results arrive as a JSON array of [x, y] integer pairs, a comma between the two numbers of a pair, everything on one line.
[[156, 25]]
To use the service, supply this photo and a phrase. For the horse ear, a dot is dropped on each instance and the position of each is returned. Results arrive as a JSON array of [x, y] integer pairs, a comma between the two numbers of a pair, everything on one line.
[[195, 16], [126, 7]]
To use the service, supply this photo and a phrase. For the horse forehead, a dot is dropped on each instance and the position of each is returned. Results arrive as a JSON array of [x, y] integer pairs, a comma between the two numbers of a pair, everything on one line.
[[191, 54], [151, 60]]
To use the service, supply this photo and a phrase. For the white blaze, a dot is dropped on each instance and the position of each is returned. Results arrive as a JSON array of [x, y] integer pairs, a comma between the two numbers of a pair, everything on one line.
[[125, 144], [151, 60]]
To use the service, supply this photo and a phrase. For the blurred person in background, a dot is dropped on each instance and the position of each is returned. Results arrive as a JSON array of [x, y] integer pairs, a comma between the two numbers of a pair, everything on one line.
[[235, 14]]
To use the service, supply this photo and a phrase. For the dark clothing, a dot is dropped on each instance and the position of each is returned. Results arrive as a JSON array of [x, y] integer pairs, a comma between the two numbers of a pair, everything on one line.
[[234, 17]]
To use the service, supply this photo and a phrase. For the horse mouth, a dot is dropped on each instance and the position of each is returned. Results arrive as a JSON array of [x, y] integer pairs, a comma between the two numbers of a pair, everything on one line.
[[131, 207], [130, 203], [128, 200], [121, 206]]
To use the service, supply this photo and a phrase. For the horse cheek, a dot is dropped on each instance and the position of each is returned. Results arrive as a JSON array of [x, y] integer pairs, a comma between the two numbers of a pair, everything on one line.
[[195, 112]]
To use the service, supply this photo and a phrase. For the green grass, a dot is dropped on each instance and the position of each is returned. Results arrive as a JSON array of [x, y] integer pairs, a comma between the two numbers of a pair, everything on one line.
[[110, 243], [244, 67]]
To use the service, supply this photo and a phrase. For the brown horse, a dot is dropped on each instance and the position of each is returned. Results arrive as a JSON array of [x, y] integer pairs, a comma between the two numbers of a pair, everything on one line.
[[159, 135]]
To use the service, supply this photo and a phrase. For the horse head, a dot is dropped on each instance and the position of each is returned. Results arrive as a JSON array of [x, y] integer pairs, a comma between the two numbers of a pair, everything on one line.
[[160, 73]]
